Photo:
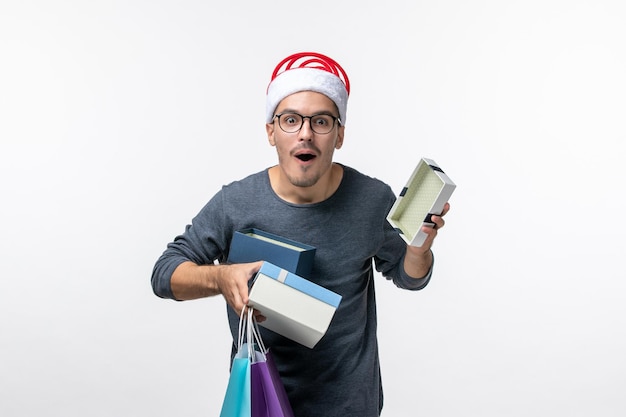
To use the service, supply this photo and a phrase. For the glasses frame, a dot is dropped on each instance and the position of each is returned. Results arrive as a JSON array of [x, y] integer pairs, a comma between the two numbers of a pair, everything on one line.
[[335, 120]]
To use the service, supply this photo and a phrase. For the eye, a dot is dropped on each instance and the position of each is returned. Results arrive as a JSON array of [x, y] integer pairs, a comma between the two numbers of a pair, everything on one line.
[[290, 119], [322, 120]]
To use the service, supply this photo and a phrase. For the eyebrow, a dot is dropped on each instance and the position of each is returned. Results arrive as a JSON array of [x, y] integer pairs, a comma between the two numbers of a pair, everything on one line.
[[326, 112]]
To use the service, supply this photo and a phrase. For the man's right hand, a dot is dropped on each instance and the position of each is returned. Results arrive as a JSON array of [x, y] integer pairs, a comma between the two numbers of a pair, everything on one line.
[[190, 281]]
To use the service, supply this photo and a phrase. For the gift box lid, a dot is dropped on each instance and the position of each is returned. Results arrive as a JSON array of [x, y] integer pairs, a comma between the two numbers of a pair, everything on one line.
[[251, 245], [300, 284], [425, 194]]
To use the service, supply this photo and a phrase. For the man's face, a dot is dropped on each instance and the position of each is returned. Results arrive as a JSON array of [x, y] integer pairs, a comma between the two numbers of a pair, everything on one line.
[[305, 156]]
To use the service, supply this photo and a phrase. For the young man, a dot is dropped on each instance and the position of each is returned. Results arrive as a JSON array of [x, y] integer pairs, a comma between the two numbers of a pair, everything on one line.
[[310, 199]]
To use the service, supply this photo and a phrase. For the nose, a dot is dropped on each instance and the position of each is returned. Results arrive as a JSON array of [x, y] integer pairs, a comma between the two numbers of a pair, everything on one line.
[[306, 132]]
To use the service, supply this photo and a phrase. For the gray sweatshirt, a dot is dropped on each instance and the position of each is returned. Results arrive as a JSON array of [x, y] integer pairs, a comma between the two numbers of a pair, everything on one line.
[[340, 376]]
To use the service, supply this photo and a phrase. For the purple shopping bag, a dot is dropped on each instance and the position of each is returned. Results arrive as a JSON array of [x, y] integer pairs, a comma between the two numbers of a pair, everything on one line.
[[280, 390], [268, 397]]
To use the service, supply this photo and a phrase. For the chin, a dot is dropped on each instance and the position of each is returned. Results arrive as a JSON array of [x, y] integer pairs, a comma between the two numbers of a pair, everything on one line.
[[303, 182]]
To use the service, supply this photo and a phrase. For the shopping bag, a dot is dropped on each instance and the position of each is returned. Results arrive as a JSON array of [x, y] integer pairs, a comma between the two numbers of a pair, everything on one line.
[[254, 387], [237, 400], [268, 395]]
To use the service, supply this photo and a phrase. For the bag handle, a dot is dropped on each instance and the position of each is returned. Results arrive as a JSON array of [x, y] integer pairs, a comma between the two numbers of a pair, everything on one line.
[[254, 337], [257, 335], [250, 334], [242, 330]]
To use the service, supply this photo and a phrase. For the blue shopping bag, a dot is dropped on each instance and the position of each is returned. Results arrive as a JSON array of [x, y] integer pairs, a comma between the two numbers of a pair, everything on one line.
[[237, 398]]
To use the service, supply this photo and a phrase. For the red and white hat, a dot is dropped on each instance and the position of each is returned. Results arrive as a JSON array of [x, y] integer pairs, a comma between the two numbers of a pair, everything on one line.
[[308, 71]]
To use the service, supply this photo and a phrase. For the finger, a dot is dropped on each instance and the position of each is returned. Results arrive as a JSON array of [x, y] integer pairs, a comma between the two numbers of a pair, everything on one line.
[[446, 207], [234, 297], [236, 303], [438, 221], [259, 316], [243, 292], [256, 266]]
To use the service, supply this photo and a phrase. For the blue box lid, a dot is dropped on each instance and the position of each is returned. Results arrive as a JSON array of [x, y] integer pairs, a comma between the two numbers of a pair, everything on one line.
[[301, 284]]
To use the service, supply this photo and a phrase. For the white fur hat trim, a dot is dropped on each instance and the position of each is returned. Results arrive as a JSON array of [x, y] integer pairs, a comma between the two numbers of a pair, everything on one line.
[[306, 79]]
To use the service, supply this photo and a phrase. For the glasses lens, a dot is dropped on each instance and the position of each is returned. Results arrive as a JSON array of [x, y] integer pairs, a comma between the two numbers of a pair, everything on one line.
[[322, 123], [290, 122]]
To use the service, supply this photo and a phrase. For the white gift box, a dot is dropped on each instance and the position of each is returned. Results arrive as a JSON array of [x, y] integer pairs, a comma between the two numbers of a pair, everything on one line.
[[425, 194], [294, 307]]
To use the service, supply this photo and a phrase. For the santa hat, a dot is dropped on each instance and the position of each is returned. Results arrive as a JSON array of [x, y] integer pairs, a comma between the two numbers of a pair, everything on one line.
[[308, 71]]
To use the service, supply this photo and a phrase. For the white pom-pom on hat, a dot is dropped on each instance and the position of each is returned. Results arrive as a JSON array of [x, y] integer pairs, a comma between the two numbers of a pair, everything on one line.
[[308, 71]]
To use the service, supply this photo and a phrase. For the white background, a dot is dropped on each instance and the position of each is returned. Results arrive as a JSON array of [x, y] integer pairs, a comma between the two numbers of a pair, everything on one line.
[[120, 119]]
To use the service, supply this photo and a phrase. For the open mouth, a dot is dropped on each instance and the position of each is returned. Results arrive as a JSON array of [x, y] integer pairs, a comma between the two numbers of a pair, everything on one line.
[[305, 157]]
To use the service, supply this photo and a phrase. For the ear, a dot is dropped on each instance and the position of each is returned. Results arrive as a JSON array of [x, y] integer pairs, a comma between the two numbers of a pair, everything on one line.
[[269, 128], [340, 133]]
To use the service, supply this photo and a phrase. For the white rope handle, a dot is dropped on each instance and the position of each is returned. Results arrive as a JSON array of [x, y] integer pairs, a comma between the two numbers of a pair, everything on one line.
[[251, 354], [242, 329], [257, 335], [254, 338]]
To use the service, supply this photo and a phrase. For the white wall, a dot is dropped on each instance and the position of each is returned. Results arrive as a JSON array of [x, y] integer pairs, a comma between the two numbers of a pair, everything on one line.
[[119, 119]]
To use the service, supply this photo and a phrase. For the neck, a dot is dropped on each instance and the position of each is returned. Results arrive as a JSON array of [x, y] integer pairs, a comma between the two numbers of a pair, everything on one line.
[[318, 192]]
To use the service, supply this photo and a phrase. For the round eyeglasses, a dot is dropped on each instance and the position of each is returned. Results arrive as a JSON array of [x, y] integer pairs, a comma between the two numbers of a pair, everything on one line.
[[293, 122]]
